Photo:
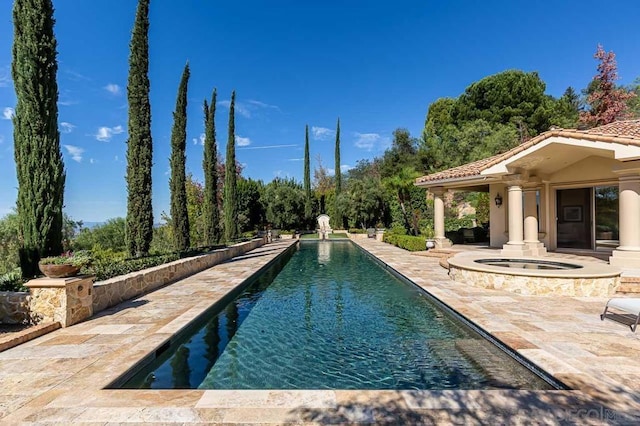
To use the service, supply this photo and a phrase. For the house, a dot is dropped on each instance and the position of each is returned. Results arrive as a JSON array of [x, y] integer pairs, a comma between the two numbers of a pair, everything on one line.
[[564, 189]]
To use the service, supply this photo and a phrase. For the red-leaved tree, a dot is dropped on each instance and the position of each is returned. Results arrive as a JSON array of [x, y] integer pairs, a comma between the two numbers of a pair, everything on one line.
[[607, 102]]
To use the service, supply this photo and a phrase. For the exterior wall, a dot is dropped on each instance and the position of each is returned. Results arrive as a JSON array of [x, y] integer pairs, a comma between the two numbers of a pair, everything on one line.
[[590, 169], [498, 216]]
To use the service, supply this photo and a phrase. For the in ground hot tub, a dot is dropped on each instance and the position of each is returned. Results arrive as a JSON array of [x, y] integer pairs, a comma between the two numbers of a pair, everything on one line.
[[529, 264], [535, 276]]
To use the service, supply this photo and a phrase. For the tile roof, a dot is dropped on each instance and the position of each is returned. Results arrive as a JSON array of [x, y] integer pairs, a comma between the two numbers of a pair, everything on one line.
[[625, 132]]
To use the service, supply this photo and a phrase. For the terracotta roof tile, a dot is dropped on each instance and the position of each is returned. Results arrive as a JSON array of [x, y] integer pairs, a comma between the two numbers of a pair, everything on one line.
[[625, 132]]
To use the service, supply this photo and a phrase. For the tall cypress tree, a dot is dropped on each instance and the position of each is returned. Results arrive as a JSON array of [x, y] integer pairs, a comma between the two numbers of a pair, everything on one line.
[[230, 180], [338, 176], [212, 234], [177, 183], [139, 145], [39, 165], [307, 177]]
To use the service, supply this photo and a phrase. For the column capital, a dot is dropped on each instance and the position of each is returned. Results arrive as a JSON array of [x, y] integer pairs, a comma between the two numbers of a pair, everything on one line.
[[438, 191]]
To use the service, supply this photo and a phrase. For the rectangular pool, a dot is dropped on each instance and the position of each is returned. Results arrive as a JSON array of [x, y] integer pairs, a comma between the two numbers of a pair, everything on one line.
[[327, 316]]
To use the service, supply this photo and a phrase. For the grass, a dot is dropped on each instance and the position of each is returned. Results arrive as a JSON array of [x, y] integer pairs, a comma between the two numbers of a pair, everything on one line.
[[338, 235], [309, 236]]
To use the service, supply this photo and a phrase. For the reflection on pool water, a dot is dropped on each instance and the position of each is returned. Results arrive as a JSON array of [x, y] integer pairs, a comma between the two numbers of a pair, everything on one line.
[[333, 318], [528, 264]]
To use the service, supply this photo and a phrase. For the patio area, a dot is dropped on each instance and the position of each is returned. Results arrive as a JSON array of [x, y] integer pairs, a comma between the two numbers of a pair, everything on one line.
[[60, 377]]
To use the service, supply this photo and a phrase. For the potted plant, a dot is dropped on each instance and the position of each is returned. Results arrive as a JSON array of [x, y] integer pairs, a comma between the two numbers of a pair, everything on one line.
[[430, 234], [66, 265]]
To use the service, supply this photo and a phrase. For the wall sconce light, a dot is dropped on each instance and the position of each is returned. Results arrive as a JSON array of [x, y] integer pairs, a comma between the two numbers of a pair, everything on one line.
[[498, 199]]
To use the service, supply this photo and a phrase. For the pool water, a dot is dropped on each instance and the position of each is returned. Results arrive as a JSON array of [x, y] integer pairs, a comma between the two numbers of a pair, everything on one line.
[[528, 264], [332, 318]]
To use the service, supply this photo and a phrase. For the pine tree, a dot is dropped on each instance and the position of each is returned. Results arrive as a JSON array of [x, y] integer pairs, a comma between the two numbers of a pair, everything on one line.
[[210, 165], [307, 177], [607, 102], [230, 180], [39, 165], [139, 145], [177, 185]]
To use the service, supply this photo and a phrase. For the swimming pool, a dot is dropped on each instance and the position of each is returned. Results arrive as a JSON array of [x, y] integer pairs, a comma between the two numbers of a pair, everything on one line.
[[329, 317]]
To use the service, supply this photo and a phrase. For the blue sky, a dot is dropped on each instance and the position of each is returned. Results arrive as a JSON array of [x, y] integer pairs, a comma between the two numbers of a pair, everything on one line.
[[375, 64]]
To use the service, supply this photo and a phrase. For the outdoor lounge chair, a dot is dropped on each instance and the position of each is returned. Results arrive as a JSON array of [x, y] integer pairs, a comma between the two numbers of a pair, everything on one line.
[[630, 305], [371, 232]]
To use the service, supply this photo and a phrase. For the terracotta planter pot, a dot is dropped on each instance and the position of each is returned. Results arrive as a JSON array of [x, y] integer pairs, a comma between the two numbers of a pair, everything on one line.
[[59, 271]]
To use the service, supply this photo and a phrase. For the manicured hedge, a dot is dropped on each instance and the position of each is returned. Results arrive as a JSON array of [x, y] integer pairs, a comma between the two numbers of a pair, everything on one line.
[[406, 242], [104, 270]]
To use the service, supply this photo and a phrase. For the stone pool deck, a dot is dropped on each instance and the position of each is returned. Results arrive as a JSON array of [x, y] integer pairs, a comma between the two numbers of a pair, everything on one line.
[[59, 378]]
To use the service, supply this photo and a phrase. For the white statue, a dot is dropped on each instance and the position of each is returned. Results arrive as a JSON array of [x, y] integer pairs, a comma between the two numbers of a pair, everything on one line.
[[323, 226]]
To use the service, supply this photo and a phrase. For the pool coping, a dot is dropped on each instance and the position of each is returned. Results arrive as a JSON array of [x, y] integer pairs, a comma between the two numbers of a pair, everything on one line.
[[61, 376]]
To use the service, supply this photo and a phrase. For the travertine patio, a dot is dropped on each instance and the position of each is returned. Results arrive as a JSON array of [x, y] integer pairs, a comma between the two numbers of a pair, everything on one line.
[[60, 377]]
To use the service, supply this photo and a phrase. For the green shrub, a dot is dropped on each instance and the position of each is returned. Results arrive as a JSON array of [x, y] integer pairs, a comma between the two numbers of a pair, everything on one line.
[[105, 269], [406, 242], [12, 281], [357, 231], [338, 235]]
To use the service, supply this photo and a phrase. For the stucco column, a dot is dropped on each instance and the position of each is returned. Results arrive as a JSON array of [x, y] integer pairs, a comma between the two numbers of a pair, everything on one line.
[[516, 227], [516, 245], [627, 254], [530, 216], [531, 223], [438, 217]]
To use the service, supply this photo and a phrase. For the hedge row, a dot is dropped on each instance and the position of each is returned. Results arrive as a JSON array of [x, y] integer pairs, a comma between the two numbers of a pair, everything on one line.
[[103, 270], [406, 242]]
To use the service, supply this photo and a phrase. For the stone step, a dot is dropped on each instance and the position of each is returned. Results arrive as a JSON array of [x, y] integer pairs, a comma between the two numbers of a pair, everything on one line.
[[629, 285]]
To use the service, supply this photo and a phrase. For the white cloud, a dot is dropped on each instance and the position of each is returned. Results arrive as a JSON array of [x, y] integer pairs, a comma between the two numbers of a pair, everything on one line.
[[268, 146], [321, 133], [75, 152], [106, 133], [240, 141], [66, 127], [92, 161], [8, 113], [263, 105], [366, 140], [5, 77], [345, 168], [295, 159], [199, 140], [112, 88], [239, 108]]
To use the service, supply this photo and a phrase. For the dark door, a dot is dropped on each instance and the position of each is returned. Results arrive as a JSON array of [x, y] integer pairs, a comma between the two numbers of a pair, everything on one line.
[[574, 218]]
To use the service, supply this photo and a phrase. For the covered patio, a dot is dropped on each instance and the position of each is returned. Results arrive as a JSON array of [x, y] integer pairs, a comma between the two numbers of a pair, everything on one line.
[[565, 190]]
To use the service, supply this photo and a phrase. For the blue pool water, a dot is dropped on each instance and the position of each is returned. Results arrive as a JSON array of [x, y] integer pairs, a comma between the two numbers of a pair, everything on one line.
[[332, 318]]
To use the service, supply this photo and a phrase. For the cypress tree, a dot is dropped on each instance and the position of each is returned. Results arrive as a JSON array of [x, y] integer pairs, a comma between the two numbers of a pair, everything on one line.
[[177, 184], [39, 165], [338, 176], [139, 145], [230, 180], [210, 165], [307, 177]]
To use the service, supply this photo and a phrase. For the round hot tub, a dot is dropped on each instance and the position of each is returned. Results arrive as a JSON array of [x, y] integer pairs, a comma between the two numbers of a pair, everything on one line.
[[535, 276], [546, 265]]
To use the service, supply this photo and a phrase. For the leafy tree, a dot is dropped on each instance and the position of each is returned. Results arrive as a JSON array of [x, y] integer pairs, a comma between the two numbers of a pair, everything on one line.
[[230, 180], [308, 205], [634, 102], [9, 243], [284, 201], [107, 236], [511, 97], [400, 185], [212, 232], [364, 202], [177, 185], [39, 165], [195, 209], [139, 144], [251, 212], [567, 109], [607, 102], [322, 183]]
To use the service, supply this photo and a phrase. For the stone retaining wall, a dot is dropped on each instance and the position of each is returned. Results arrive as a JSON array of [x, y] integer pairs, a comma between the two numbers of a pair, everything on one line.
[[110, 292], [535, 285], [14, 307]]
